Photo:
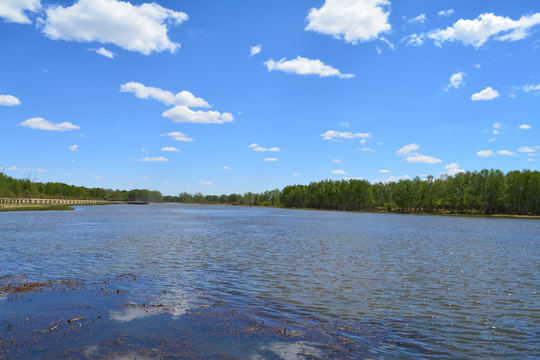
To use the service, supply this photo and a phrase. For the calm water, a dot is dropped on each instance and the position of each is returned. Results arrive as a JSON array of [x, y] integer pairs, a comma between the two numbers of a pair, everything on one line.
[[418, 286]]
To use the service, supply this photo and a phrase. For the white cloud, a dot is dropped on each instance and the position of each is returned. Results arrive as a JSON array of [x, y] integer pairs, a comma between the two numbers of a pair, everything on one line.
[[345, 124], [151, 159], [420, 19], [486, 94], [528, 149], [497, 125], [202, 182], [445, 13], [397, 178], [73, 148], [183, 98], [104, 52], [366, 149], [14, 168], [336, 135], [270, 159], [506, 152], [485, 153], [384, 171], [256, 147], [351, 20], [414, 39], [336, 161], [524, 127], [296, 174], [178, 136], [453, 169], [422, 159], [145, 178], [491, 139], [456, 81], [13, 10], [477, 66], [407, 149], [169, 148], [529, 88], [9, 100], [303, 66], [227, 168], [487, 26], [42, 124], [338, 172], [254, 50], [140, 28], [185, 114]]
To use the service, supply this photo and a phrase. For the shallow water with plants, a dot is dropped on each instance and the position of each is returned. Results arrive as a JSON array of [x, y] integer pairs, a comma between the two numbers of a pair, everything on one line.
[[170, 280]]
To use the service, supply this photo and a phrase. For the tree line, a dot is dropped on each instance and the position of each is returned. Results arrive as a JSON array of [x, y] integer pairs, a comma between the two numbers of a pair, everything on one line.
[[25, 188], [479, 192]]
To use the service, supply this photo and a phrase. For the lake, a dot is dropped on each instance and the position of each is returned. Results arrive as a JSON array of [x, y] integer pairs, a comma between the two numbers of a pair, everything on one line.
[[259, 283]]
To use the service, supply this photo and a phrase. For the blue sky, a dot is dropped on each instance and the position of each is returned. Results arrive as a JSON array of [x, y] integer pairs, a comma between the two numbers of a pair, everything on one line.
[[235, 96]]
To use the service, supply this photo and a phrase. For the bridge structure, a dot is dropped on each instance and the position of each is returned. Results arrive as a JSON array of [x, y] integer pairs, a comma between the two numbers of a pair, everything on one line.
[[51, 201]]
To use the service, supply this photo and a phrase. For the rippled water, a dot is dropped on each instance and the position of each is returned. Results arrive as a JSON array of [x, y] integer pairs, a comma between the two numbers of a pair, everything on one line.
[[452, 287]]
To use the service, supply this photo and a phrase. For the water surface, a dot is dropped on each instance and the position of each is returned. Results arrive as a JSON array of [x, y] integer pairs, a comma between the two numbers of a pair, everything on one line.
[[393, 285]]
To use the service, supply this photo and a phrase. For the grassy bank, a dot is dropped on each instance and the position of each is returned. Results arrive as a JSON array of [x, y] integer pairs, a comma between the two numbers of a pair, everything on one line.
[[34, 207]]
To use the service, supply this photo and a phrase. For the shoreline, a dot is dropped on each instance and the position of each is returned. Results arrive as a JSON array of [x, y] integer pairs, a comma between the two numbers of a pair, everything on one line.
[[57, 205]]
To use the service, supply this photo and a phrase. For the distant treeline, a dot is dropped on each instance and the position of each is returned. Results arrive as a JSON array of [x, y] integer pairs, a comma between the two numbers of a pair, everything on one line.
[[483, 192], [24, 188]]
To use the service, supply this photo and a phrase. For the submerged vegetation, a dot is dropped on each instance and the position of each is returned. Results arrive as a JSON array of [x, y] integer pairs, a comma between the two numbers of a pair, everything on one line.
[[480, 192]]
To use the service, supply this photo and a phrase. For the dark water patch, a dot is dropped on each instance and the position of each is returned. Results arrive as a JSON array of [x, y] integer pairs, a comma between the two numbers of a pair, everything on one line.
[[111, 319]]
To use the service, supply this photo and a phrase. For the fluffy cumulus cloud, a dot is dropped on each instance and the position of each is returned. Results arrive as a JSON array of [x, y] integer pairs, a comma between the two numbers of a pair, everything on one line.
[[9, 100], [14, 10], [333, 135], [445, 13], [456, 81], [183, 98], [486, 94], [420, 19], [103, 52], [303, 66], [42, 124], [422, 159], [254, 50], [351, 20], [185, 114], [73, 148], [529, 88], [506, 153], [528, 149], [169, 149], [485, 153], [407, 149], [452, 169], [256, 147], [338, 172], [525, 127], [154, 159], [141, 28], [487, 26], [179, 136]]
